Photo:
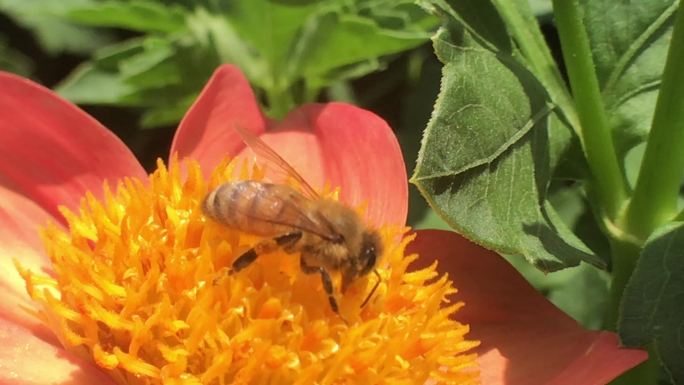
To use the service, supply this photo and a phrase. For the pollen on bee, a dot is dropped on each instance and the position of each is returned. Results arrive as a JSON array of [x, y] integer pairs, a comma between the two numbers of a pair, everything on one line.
[[140, 288]]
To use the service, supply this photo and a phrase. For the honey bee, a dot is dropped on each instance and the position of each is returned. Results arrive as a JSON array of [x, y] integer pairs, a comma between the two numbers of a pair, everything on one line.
[[330, 236]]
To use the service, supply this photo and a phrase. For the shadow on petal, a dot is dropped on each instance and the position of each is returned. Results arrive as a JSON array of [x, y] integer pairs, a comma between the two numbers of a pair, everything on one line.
[[525, 339]]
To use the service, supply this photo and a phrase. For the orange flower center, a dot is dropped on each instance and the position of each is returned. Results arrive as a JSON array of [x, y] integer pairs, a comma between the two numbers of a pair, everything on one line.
[[139, 287]]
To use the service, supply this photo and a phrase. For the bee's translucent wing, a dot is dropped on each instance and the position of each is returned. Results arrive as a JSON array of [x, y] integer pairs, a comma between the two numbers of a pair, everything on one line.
[[266, 153], [292, 210]]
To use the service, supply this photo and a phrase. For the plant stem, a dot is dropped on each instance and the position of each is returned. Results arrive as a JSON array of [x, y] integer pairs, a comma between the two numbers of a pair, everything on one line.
[[525, 29], [660, 175], [280, 102], [595, 134], [625, 256]]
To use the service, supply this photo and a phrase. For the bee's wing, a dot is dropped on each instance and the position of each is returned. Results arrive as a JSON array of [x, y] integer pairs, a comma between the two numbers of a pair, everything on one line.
[[266, 153], [294, 212]]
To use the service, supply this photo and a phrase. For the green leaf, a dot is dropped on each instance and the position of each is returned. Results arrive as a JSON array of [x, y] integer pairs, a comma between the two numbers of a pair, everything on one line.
[[270, 28], [45, 20], [489, 151], [99, 82], [480, 18], [332, 41], [288, 50], [14, 61], [152, 72], [652, 301], [213, 34], [136, 15], [91, 85], [629, 43], [295, 43], [154, 66]]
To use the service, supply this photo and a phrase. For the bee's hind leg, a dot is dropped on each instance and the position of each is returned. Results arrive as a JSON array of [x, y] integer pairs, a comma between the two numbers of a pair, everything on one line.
[[263, 247]]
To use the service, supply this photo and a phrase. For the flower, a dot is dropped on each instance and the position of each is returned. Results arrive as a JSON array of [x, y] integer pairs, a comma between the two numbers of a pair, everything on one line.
[[53, 154]]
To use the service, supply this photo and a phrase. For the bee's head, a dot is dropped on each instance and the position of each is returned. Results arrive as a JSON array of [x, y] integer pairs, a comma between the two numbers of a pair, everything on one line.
[[371, 248], [366, 259]]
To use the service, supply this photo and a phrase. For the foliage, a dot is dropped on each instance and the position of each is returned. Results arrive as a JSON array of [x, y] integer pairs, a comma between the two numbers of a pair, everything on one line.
[[509, 150], [289, 50], [13, 61], [54, 34]]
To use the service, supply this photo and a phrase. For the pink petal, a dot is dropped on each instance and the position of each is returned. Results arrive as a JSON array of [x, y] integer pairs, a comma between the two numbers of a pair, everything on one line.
[[28, 357], [53, 152], [525, 339], [206, 132], [348, 147], [20, 220], [336, 143]]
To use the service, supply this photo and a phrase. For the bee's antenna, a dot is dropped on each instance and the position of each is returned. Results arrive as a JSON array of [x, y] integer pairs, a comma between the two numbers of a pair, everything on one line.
[[365, 301]]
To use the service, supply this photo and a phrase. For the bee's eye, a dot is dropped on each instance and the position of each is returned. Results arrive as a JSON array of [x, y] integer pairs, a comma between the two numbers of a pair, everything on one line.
[[369, 256]]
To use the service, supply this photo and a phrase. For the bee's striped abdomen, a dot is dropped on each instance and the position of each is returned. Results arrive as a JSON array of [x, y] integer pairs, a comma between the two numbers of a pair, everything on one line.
[[254, 207]]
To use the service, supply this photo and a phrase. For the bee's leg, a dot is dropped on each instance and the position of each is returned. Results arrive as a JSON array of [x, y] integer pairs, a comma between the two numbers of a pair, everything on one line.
[[263, 247], [325, 278]]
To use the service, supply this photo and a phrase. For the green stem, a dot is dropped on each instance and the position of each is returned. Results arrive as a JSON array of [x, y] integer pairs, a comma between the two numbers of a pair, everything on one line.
[[595, 134], [525, 30], [280, 102], [625, 256], [657, 187]]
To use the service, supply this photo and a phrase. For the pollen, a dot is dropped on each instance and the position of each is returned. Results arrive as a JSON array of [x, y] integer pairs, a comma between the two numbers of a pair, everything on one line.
[[140, 287]]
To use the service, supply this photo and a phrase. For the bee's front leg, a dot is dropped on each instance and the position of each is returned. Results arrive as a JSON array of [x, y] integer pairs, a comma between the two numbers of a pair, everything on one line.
[[327, 283], [263, 247]]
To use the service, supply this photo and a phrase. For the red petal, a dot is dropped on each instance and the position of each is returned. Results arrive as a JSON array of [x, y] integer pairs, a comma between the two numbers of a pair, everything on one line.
[[27, 358], [53, 152], [347, 147], [525, 339], [20, 219], [206, 132]]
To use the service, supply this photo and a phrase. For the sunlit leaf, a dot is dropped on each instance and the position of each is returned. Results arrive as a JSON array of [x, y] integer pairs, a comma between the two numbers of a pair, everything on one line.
[[489, 151], [137, 15], [354, 38]]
